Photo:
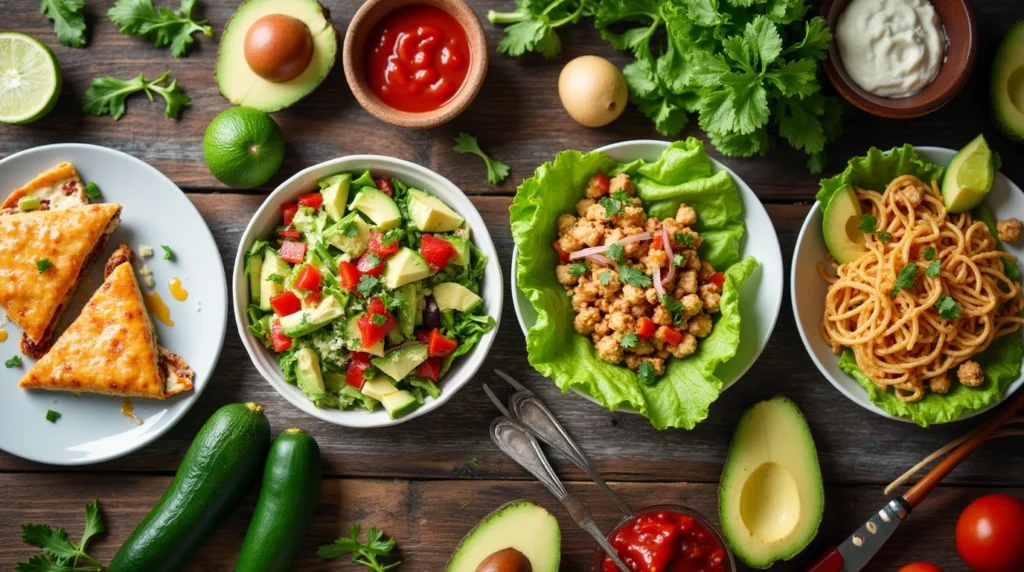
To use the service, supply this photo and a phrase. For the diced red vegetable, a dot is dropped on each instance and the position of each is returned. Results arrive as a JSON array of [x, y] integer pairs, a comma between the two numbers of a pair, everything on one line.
[[430, 369], [670, 335], [355, 374], [378, 247], [656, 243], [436, 251], [288, 211], [563, 256], [718, 279], [645, 327], [313, 298], [311, 200], [366, 266], [292, 251], [285, 303], [348, 275], [361, 356], [289, 232], [423, 336], [440, 346], [603, 184], [385, 186], [309, 278], [369, 332], [280, 341]]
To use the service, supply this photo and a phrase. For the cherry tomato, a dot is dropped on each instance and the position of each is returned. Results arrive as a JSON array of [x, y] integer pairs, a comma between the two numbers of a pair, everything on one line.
[[289, 232], [920, 567], [311, 200], [365, 264], [718, 279], [990, 534], [313, 298], [656, 243], [385, 186], [371, 332], [355, 374], [280, 341], [438, 345], [670, 335], [288, 211], [430, 369]]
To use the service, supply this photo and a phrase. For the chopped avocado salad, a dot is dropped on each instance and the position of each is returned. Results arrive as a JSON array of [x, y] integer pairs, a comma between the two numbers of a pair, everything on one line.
[[368, 292]]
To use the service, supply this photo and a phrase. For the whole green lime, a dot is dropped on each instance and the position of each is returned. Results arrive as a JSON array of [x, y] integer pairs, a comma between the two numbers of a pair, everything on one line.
[[243, 147]]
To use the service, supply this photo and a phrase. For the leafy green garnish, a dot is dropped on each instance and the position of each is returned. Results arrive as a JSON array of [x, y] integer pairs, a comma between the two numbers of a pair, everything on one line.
[[350, 229], [68, 21], [532, 26], [905, 279], [367, 284], [611, 206], [928, 252], [168, 253], [679, 259], [496, 170], [92, 191], [615, 251], [373, 259], [52, 416], [645, 371], [634, 277], [43, 264], [15, 361], [604, 278], [106, 95], [933, 269], [869, 225], [378, 320], [59, 553], [161, 26], [577, 269], [947, 307], [367, 554], [629, 340], [275, 277], [684, 238]]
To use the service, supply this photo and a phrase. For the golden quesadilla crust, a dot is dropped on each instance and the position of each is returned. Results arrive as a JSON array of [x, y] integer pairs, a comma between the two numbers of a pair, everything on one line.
[[178, 376], [68, 239], [60, 187]]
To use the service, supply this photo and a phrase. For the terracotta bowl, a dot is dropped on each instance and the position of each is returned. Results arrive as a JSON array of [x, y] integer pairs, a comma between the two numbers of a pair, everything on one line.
[[363, 22], [961, 50]]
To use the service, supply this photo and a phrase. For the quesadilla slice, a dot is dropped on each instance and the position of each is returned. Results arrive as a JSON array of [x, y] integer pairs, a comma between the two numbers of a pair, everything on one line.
[[43, 255], [111, 348], [58, 188]]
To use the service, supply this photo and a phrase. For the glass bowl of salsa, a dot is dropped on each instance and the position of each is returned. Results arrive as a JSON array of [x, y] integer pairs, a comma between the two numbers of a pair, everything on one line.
[[666, 538]]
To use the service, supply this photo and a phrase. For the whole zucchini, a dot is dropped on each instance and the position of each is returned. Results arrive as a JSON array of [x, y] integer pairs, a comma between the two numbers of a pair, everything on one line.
[[218, 469], [291, 487]]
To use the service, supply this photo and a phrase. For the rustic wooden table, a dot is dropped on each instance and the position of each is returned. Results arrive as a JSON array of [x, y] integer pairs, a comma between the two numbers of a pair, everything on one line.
[[428, 481]]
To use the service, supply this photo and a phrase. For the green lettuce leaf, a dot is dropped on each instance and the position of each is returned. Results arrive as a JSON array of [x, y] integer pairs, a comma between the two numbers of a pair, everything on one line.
[[877, 169], [683, 173]]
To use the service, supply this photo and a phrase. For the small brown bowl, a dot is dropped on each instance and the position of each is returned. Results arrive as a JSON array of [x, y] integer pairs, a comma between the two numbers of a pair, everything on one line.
[[961, 50], [363, 22]]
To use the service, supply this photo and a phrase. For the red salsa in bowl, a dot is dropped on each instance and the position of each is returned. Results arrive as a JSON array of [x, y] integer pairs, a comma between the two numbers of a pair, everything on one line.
[[666, 538]]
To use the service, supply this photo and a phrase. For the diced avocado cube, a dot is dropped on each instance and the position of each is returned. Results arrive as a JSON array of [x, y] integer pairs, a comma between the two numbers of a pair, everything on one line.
[[350, 235], [364, 180], [400, 362], [334, 190], [272, 276], [29, 203], [304, 220], [254, 267], [461, 247], [334, 381], [307, 373], [407, 313], [399, 404], [403, 267], [454, 296], [378, 207], [430, 214], [312, 319], [378, 388], [353, 337]]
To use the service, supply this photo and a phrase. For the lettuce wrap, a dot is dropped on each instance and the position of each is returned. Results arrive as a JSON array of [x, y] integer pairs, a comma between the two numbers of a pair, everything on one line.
[[1001, 361], [683, 173]]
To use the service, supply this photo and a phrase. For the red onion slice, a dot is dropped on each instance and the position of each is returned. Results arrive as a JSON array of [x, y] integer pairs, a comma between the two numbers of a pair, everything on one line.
[[600, 259], [668, 251], [585, 252], [636, 237], [657, 281]]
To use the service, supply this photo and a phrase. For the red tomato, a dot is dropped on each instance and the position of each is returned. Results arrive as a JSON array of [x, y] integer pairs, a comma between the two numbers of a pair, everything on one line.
[[656, 242], [671, 335], [348, 274], [423, 336], [289, 232], [313, 298], [990, 534], [355, 374], [645, 327], [288, 211], [718, 279], [436, 251], [309, 278], [292, 251], [385, 186], [603, 184], [430, 369], [438, 345], [378, 247], [369, 332], [311, 200], [281, 342], [920, 567], [365, 264], [360, 356], [285, 303], [563, 256]]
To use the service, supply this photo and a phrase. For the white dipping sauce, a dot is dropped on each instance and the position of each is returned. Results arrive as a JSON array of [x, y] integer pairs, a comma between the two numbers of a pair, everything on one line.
[[891, 48]]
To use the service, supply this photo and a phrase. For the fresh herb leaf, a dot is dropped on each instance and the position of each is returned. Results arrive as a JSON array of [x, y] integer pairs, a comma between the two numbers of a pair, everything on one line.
[[531, 28], [634, 277], [577, 269], [52, 416], [474, 463], [275, 277], [684, 238], [621, 196], [68, 21], [365, 554], [928, 252], [15, 361], [378, 320], [350, 229], [161, 26], [43, 264], [629, 340], [373, 259], [92, 191], [604, 278], [106, 95], [645, 371], [59, 553], [883, 236], [465, 504], [168, 253], [905, 280], [947, 307], [679, 260], [367, 284], [868, 224], [496, 170], [611, 206], [615, 251], [933, 270]]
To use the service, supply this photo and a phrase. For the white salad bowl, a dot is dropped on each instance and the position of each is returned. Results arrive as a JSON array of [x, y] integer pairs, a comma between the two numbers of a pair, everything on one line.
[[268, 217], [808, 290], [761, 294]]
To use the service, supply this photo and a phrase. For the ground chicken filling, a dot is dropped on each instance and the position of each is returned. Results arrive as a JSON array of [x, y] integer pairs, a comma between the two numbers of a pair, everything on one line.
[[613, 257]]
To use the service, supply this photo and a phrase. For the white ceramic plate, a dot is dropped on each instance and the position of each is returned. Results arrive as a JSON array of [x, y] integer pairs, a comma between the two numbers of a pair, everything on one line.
[[268, 217], [761, 295], [155, 212], [808, 290]]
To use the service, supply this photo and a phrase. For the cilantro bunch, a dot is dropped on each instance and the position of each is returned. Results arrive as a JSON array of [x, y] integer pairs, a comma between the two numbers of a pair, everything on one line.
[[59, 553]]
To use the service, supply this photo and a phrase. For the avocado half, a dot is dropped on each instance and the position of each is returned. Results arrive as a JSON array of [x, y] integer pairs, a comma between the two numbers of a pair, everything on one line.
[[521, 525], [241, 86], [1008, 84], [771, 497], [839, 226]]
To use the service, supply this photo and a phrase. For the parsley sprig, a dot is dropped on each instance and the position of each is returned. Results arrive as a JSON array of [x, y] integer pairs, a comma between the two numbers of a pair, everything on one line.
[[869, 225], [496, 170], [367, 554], [107, 95], [634, 277], [161, 26], [533, 24], [905, 280], [947, 307], [59, 554], [68, 20]]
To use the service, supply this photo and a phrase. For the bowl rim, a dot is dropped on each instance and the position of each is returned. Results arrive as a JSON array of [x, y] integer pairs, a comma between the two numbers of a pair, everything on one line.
[[492, 287], [352, 63], [852, 93]]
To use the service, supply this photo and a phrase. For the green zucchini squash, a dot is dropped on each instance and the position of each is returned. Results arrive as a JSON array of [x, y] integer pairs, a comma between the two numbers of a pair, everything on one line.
[[291, 488], [217, 471]]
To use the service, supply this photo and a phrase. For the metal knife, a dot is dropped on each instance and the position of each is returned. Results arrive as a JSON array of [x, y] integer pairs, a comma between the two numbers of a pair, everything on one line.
[[856, 551]]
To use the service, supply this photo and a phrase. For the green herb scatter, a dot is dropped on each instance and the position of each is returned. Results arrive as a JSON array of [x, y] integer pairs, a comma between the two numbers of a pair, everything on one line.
[[928, 252], [106, 95], [168, 253], [59, 554], [629, 340], [616, 251], [52, 416], [68, 21], [868, 224], [905, 279], [474, 463], [634, 277], [43, 264], [367, 284], [679, 260], [645, 371], [684, 238], [577, 269], [92, 191], [367, 555], [378, 320], [351, 229], [947, 307], [161, 26], [611, 206], [496, 170], [275, 277], [531, 27], [933, 269], [15, 361], [604, 278]]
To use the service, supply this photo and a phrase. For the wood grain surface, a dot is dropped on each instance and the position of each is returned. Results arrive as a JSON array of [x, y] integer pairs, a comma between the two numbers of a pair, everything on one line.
[[415, 479]]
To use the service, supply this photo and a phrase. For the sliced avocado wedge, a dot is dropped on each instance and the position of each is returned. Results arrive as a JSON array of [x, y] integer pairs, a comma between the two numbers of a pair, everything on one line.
[[399, 404], [430, 214], [771, 497], [520, 525], [403, 267], [240, 85], [378, 207], [398, 363], [1008, 83], [334, 190], [312, 319], [454, 296], [308, 375], [461, 247], [969, 176], [839, 226], [378, 388], [350, 235], [272, 275]]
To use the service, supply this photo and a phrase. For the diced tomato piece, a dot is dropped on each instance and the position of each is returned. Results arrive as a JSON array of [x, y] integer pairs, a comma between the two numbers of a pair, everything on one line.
[[365, 264], [563, 256], [645, 327], [313, 298], [289, 232], [603, 184], [438, 345], [281, 342], [423, 336], [656, 243], [288, 211], [309, 278], [670, 335], [377, 245], [430, 369], [311, 200], [355, 374], [360, 356], [371, 333], [348, 275], [285, 303], [436, 251], [292, 251], [718, 279], [385, 186]]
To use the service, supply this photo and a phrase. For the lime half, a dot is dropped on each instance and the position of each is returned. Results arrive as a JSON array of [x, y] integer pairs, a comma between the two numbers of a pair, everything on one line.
[[969, 176], [30, 79]]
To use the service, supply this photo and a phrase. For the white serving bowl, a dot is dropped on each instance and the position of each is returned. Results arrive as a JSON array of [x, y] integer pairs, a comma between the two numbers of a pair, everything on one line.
[[808, 290], [269, 216], [761, 295]]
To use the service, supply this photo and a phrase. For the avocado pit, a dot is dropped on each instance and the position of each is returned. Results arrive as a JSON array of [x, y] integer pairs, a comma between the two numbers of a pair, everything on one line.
[[505, 560], [278, 48]]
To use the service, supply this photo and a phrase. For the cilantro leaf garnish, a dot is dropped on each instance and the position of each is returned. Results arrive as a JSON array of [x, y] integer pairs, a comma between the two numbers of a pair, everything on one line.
[[367, 554], [634, 277], [604, 278], [621, 196], [378, 320], [577, 269], [351, 229], [933, 269], [68, 20], [92, 191], [496, 170], [684, 238], [869, 225], [947, 307], [679, 259], [928, 252], [373, 259], [15, 361], [52, 416], [275, 277], [43, 264], [905, 279], [59, 554], [629, 340], [645, 371], [531, 28], [615, 251], [367, 284], [611, 206], [161, 26], [168, 253], [106, 95]]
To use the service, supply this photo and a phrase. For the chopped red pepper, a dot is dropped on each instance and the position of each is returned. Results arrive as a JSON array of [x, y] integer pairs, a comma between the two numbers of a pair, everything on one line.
[[718, 279], [309, 278], [292, 251], [603, 184], [423, 336], [430, 369], [289, 232], [385, 186], [645, 327], [563, 256], [438, 345], [670, 335], [355, 374], [288, 211], [378, 247], [656, 243], [436, 251], [361, 356], [313, 298], [280, 341], [371, 333], [348, 275], [285, 303], [365, 264], [311, 200]]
